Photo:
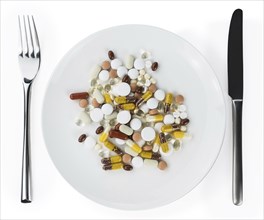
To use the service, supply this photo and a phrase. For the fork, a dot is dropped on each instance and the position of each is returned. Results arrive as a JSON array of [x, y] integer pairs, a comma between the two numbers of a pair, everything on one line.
[[29, 61]]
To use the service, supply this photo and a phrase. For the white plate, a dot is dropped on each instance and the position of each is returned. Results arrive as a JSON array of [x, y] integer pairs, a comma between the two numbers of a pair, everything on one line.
[[182, 70]]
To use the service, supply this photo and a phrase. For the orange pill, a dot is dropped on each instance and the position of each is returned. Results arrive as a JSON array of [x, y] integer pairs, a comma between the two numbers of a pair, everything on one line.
[[113, 73], [83, 103], [162, 165], [153, 111], [152, 88], [106, 65], [147, 148], [179, 99], [126, 158], [136, 137], [95, 103]]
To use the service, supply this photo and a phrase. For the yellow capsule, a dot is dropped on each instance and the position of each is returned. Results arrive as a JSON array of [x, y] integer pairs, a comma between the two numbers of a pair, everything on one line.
[[178, 134], [149, 155], [128, 106], [115, 166], [107, 98], [165, 147], [145, 97], [156, 144], [170, 128], [103, 137], [133, 146], [169, 98], [154, 118], [113, 159], [112, 147], [120, 99]]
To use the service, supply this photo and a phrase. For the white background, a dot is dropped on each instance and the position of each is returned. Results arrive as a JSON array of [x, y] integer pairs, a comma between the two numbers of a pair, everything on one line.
[[60, 26]]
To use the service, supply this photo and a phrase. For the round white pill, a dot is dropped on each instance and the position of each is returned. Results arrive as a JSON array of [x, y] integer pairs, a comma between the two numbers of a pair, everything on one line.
[[168, 119], [139, 63], [182, 108], [137, 162], [176, 114], [144, 108], [123, 117], [147, 83], [183, 115], [133, 73], [152, 103], [120, 141], [123, 89], [107, 109], [90, 142], [167, 153], [159, 94], [104, 75], [96, 114], [148, 134], [158, 126], [121, 71], [116, 63], [135, 124]]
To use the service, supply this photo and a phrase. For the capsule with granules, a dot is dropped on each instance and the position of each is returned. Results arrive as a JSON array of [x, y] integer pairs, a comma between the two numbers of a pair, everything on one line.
[[120, 99], [156, 144], [127, 106], [118, 166], [154, 118], [113, 159], [112, 147], [168, 101], [133, 146], [103, 137], [107, 98], [170, 128], [145, 97], [163, 143], [150, 155]]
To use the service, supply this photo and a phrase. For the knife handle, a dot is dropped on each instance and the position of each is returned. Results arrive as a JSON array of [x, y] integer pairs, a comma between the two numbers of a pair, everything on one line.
[[237, 152]]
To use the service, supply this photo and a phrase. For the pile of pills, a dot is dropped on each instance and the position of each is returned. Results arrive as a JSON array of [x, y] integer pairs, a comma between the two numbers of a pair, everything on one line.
[[138, 123]]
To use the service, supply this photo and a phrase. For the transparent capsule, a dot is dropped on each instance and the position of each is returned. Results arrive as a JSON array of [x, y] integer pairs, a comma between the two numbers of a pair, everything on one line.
[[177, 145], [173, 107], [160, 107], [168, 137], [99, 87], [154, 118], [107, 87], [112, 82], [139, 112], [93, 82], [112, 122]]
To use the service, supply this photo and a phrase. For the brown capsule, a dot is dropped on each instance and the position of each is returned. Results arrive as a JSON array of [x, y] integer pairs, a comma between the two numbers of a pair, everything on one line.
[[153, 111], [117, 126], [136, 136], [154, 66], [82, 138], [127, 167], [83, 103], [111, 55], [133, 87], [106, 65], [139, 89], [79, 95], [99, 130], [126, 158], [131, 99], [126, 79], [117, 150], [147, 148], [138, 95], [152, 88], [184, 121], [179, 99], [162, 138], [162, 165], [95, 103], [156, 156], [113, 73], [117, 134]]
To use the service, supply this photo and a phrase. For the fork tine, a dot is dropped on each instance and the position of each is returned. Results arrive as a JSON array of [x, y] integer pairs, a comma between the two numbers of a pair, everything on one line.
[[26, 37], [35, 39], [30, 41], [20, 39]]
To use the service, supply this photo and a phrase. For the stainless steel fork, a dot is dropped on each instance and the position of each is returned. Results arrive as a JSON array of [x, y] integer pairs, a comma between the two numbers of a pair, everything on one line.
[[29, 60]]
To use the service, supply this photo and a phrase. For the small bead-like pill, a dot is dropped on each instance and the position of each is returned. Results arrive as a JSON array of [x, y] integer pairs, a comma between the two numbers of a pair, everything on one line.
[[129, 61], [111, 55], [79, 95], [179, 99], [136, 137], [83, 103], [113, 73], [96, 114], [139, 63], [177, 121], [107, 109], [126, 158], [162, 165], [148, 134], [135, 124], [126, 130], [152, 88], [133, 73], [98, 96], [82, 138], [106, 65], [121, 71], [116, 63], [137, 162], [176, 114], [183, 128], [151, 163], [104, 75], [154, 66], [168, 119], [123, 117], [152, 103], [159, 95], [99, 130]]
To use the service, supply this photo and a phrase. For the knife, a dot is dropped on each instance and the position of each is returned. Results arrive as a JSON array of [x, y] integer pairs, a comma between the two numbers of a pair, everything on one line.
[[235, 91]]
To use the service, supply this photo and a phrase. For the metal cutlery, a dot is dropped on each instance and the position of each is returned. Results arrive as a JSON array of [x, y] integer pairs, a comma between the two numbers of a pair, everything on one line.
[[235, 90], [29, 61]]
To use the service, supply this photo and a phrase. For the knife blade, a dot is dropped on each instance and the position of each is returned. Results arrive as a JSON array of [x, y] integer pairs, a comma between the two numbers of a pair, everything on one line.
[[235, 91]]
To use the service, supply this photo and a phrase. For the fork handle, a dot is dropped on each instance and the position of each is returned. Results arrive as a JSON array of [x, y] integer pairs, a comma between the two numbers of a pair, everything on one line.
[[26, 167]]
